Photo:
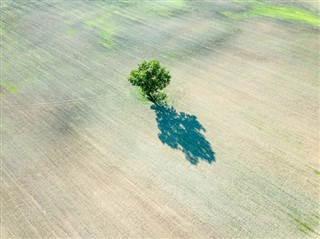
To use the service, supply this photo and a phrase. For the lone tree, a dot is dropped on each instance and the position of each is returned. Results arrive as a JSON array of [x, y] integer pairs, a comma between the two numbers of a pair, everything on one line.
[[151, 77]]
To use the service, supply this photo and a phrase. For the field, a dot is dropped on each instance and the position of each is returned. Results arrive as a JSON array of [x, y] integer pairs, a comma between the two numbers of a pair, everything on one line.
[[234, 154]]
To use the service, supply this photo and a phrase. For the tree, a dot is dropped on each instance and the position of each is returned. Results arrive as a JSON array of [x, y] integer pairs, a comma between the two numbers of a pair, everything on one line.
[[151, 77]]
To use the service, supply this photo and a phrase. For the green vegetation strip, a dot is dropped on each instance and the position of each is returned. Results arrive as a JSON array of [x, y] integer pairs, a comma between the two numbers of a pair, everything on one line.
[[278, 12], [9, 87]]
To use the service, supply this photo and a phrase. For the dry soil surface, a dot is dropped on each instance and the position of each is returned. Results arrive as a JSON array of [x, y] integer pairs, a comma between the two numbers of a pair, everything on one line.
[[234, 154]]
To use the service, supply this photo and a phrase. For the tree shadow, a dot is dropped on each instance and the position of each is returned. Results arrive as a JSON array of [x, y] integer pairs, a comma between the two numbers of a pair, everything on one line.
[[184, 132]]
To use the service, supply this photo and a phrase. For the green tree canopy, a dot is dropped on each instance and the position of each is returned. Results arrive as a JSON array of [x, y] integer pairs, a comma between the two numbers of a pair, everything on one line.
[[150, 77]]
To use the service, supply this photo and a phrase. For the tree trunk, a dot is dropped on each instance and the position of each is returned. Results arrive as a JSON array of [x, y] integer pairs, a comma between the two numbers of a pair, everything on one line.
[[150, 96]]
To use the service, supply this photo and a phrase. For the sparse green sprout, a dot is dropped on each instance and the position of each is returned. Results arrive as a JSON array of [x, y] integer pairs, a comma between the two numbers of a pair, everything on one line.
[[151, 77]]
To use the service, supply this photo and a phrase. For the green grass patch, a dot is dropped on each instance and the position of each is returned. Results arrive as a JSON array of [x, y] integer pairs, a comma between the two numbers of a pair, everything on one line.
[[170, 57], [316, 171], [277, 12], [106, 28], [9, 87], [71, 31]]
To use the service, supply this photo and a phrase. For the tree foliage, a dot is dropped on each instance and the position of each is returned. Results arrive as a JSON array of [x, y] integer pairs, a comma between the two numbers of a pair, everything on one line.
[[150, 76]]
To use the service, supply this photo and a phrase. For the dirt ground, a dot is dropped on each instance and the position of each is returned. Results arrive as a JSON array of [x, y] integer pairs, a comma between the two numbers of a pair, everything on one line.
[[234, 154]]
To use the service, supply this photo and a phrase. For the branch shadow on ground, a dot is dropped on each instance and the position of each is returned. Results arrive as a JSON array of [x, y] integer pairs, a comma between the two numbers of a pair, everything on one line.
[[184, 132]]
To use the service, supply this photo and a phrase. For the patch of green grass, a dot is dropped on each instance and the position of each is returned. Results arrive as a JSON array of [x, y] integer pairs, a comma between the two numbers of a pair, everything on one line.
[[107, 35], [3, 26], [141, 95], [71, 31], [9, 87], [170, 57], [316, 171], [277, 12], [106, 28]]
